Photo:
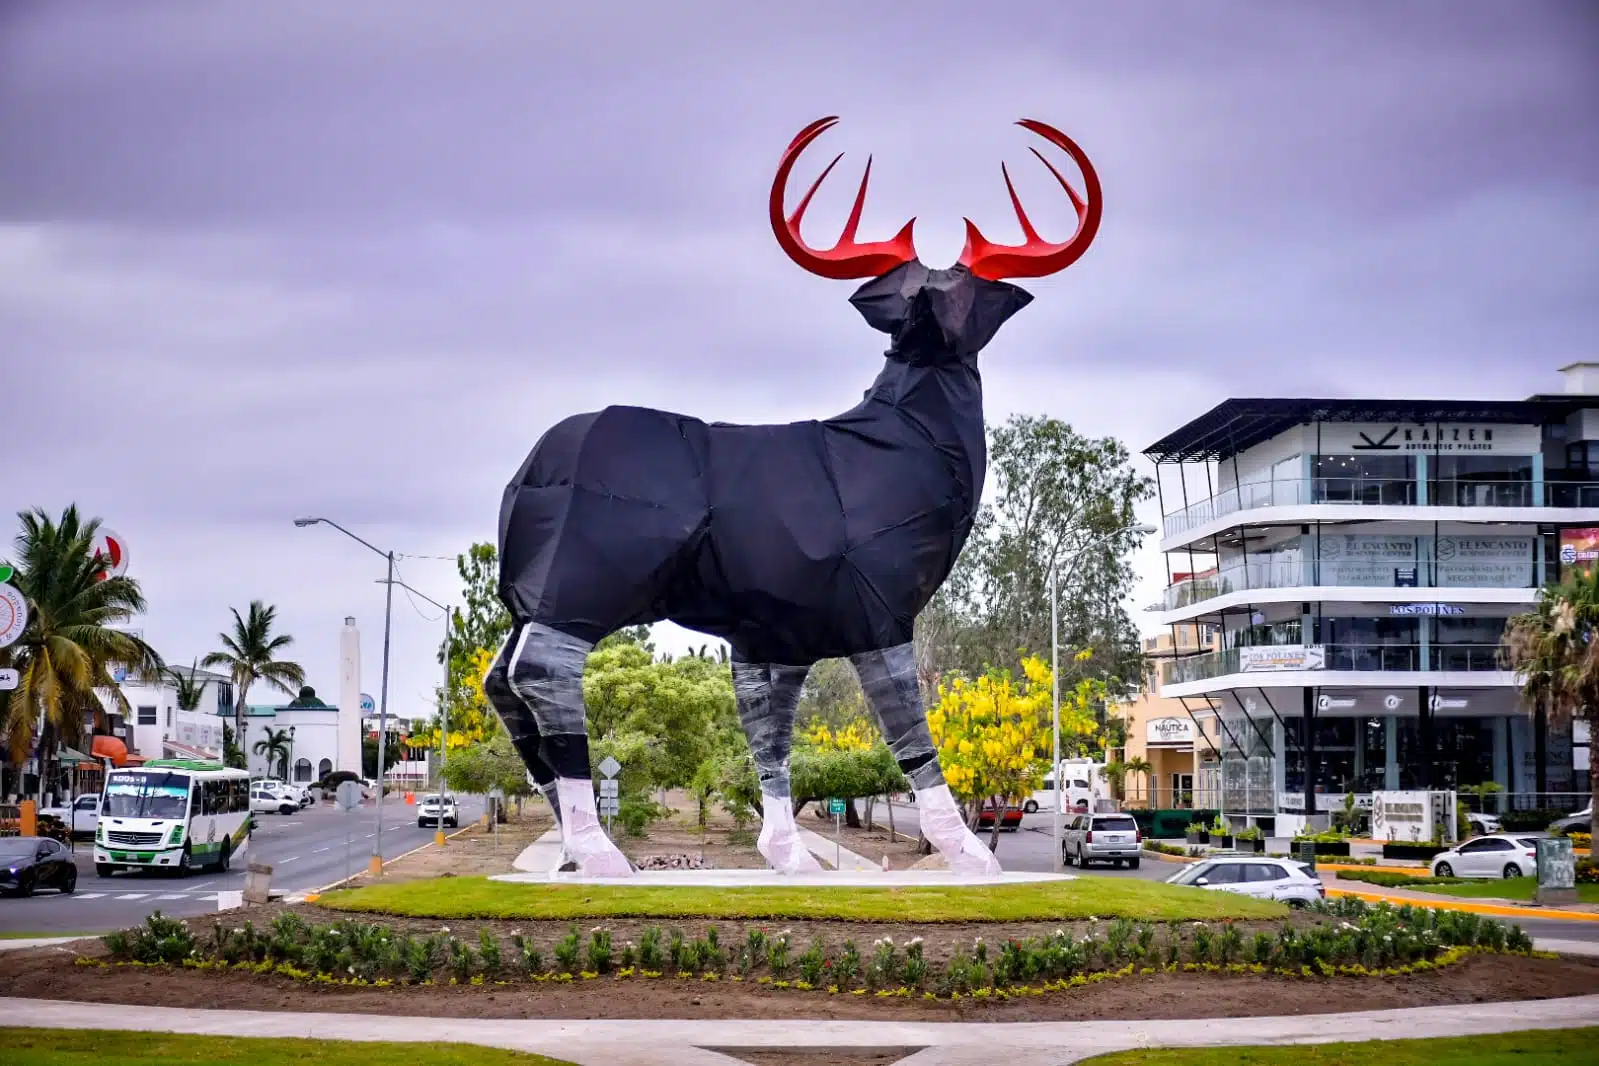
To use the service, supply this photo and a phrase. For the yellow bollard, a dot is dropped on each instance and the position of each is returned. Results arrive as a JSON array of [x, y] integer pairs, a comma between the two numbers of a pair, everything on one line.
[[30, 818], [438, 837], [374, 866]]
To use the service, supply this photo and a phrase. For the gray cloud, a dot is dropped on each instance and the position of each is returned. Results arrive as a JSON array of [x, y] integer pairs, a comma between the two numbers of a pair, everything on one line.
[[353, 259]]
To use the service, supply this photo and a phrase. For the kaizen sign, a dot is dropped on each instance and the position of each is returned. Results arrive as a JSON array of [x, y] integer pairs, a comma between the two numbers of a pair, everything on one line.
[[13, 615]]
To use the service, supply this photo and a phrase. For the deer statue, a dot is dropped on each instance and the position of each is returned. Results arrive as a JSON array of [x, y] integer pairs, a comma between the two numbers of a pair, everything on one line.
[[794, 543]]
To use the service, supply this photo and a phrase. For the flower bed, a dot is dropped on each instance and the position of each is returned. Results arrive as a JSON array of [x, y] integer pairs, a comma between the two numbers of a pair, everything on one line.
[[1352, 938]]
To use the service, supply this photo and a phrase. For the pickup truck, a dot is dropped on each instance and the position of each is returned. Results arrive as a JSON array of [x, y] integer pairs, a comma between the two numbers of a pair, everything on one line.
[[83, 816]]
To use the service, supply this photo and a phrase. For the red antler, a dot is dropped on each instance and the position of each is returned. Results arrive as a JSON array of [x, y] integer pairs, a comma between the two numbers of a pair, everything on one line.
[[1038, 257], [846, 259]]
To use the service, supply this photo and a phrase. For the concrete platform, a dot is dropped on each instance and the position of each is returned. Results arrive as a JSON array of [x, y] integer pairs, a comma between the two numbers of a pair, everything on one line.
[[868, 878]]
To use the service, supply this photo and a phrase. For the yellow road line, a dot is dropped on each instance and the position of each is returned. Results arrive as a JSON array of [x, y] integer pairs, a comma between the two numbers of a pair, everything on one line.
[[1450, 903]]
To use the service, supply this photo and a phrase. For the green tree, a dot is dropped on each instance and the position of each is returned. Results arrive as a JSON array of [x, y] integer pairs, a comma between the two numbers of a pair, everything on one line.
[[1554, 651], [68, 647], [483, 621], [832, 696], [250, 654], [232, 754], [478, 769], [686, 707], [275, 747], [391, 755], [1060, 499], [189, 686]]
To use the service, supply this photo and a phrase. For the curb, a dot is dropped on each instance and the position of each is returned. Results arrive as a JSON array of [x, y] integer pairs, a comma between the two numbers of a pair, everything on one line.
[[1445, 903], [1407, 871], [1161, 856]]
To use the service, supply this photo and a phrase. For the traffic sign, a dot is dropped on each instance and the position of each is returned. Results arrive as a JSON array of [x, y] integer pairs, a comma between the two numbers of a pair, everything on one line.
[[835, 806], [608, 787], [5, 574], [610, 767], [110, 546], [13, 615], [9, 679], [610, 806], [496, 792], [348, 795]]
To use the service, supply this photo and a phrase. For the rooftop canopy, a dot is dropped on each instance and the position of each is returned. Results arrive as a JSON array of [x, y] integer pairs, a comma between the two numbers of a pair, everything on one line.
[[1235, 425]]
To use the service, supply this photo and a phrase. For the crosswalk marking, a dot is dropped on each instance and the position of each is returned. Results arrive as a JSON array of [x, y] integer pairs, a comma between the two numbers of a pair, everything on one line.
[[291, 858], [134, 895], [155, 897], [90, 895], [173, 895]]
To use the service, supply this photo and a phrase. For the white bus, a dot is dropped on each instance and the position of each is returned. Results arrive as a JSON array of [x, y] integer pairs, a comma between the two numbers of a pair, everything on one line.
[[172, 814]]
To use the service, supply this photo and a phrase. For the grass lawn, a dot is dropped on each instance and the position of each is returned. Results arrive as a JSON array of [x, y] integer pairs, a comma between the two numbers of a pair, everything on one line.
[[1539, 1048], [88, 1047], [478, 897], [1517, 888], [39, 936]]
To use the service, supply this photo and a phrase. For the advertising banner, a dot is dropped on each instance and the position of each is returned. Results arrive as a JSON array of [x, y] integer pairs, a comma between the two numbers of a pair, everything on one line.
[[1579, 548], [1276, 658], [1174, 731], [1393, 560]]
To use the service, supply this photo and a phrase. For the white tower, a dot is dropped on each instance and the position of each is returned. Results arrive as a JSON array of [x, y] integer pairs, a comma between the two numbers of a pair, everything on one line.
[[349, 742]]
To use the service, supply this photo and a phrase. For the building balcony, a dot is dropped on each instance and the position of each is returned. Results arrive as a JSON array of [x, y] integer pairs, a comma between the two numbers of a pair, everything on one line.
[[1262, 583], [1335, 497], [1444, 665]]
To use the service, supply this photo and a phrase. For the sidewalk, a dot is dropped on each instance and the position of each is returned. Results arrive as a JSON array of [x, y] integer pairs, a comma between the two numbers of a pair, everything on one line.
[[685, 1043]]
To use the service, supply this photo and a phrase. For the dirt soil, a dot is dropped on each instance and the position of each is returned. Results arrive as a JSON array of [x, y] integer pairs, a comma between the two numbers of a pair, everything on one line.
[[50, 973], [470, 852]]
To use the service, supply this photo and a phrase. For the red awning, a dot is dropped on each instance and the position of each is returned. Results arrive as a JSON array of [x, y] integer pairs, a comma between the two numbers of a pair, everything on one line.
[[111, 748]]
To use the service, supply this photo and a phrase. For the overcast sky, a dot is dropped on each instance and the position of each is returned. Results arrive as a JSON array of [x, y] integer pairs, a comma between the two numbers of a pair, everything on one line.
[[267, 259]]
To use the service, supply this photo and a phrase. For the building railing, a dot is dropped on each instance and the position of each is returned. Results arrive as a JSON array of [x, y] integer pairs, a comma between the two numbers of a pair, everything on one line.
[[1382, 492], [1349, 658], [1262, 574]]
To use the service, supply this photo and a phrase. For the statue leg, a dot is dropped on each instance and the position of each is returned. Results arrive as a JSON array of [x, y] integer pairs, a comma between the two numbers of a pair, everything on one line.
[[546, 672], [888, 678], [519, 722], [767, 698]]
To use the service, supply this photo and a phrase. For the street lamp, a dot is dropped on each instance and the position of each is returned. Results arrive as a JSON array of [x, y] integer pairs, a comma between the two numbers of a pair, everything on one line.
[[444, 704], [1054, 666], [375, 865]]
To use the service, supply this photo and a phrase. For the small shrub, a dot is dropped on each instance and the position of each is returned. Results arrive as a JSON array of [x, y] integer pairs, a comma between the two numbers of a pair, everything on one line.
[[528, 959], [600, 950], [489, 951], [461, 959], [677, 953], [568, 951], [649, 949], [883, 971], [813, 964], [914, 971], [778, 953]]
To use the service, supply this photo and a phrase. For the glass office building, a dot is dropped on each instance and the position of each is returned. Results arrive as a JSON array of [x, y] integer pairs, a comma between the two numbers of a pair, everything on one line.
[[1360, 559]]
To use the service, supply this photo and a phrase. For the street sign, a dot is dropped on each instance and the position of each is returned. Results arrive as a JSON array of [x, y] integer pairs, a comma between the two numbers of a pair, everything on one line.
[[348, 795], [610, 767], [5, 574], [9, 679], [13, 615], [110, 546], [835, 807], [609, 787]]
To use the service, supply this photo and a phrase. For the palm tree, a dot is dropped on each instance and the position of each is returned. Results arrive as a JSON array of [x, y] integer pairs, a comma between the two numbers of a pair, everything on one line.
[[1139, 765], [250, 655], [67, 649], [1553, 650], [275, 746], [189, 687]]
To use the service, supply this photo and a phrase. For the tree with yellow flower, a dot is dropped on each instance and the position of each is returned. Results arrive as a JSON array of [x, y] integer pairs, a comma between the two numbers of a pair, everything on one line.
[[994, 737]]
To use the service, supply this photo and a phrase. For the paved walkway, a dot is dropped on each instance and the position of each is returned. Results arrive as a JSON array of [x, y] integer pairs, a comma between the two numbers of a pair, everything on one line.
[[685, 1043]]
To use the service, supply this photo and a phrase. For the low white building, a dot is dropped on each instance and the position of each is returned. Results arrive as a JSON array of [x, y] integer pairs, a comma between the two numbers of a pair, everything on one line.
[[309, 732], [159, 726]]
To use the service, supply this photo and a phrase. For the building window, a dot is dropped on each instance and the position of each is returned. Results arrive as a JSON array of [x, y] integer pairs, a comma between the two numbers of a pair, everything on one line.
[[1481, 481], [302, 769], [147, 715], [169, 717], [1368, 479], [324, 768]]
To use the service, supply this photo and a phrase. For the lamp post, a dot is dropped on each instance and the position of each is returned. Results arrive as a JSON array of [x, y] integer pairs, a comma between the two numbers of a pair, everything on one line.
[[1059, 863], [375, 865], [444, 703], [288, 772]]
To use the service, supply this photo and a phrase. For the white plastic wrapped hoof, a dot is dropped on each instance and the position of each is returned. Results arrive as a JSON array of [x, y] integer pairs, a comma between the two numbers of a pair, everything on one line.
[[780, 844], [945, 828], [584, 840]]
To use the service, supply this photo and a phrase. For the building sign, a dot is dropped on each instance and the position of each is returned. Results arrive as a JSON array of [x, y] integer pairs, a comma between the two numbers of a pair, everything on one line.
[[1169, 731], [13, 615], [1389, 560], [1441, 438], [1275, 658], [1405, 609], [1400, 816], [1579, 548]]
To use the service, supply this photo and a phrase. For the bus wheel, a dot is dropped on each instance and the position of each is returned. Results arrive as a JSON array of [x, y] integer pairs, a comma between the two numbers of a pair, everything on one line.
[[103, 869], [227, 856], [185, 863]]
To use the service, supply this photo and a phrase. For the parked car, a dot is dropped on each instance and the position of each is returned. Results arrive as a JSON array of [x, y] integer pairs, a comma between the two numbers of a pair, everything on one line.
[[1580, 822], [266, 798], [1010, 821], [1483, 824], [436, 810], [81, 816], [1249, 875], [29, 863], [1090, 838], [1499, 855]]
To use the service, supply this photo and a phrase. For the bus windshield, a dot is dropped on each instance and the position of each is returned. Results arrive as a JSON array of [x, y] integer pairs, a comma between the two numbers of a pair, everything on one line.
[[152, 794]]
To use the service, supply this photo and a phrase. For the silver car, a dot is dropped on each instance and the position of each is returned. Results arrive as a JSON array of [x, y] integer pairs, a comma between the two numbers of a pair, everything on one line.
[[1112, 838]]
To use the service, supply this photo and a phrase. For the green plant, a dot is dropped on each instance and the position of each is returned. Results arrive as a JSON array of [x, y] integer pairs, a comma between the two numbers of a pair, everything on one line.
[[600, 950], [848, 966], [914, 971], [884, 970], [649, 949], [1198, 827], [778, 953], [813, 964], [528, 958], [568, 951], [489, 951], [1220, 826], [1253, 832]]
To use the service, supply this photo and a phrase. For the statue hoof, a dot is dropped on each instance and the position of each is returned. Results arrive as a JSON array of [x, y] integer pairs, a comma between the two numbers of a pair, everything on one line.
[[789, 856], [596, 856], [974, 860]]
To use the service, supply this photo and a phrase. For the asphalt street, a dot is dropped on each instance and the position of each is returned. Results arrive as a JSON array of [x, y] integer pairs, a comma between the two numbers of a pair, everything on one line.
[[306, 850]]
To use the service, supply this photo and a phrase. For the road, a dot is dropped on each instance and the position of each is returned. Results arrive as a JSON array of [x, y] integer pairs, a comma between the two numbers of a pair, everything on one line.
[[1031, 848], [306, 850]]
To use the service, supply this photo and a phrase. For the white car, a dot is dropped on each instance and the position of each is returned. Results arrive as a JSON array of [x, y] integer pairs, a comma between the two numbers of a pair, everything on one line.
[[1250, 875], [1500, 855], [82, 817], [1483, 823], [434, 810], [266, 798]]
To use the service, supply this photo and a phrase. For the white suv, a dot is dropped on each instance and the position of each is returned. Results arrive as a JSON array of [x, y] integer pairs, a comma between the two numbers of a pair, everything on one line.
[[436, 811], [265, 796], [1282, 880]]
